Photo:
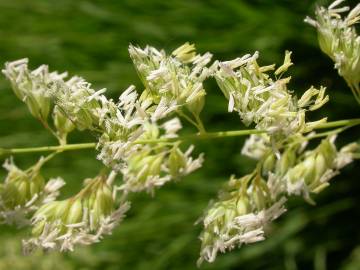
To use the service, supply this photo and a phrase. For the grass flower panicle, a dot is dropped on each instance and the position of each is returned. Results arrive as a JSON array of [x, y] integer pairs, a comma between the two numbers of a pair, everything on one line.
[[139, 136]]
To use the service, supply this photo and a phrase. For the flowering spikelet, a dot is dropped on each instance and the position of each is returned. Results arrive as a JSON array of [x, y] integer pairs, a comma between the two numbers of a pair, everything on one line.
[[339, 40], [62, 124], [173, 80], [76, 102], [261, 100], [256, 146], [239, 217], [313, 170], [83, 219], [31, 86], [295, 172], [249, 204], [146, 166], [24, 191], [84, 106], [121, 125]]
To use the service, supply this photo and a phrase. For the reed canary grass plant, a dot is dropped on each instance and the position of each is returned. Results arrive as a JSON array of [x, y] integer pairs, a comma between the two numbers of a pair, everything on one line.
[[139, 140]]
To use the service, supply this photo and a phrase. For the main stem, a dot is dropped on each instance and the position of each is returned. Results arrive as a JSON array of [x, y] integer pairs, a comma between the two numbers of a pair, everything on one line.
[[199, 136], [205, 136]]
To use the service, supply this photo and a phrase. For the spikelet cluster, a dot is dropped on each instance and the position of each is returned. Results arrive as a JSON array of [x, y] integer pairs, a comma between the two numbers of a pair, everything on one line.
[[339, 40]]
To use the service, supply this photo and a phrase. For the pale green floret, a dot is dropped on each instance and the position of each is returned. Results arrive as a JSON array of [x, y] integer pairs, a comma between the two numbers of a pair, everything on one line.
[[150, 166], [185, 53], [23, 192], [177, 162], [240, 216], [295, 172], [311, 171], [339, 40], [285, 66], [82, 219], [264, 101], [62, 124], [30, 86], [174, 81]]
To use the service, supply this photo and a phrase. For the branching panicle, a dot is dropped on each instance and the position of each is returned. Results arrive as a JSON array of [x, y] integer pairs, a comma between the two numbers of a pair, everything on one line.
[[139, 137]]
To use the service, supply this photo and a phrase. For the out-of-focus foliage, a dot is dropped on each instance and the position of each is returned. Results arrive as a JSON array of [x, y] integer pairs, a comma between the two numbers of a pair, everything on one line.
[[90, 38], [11, 259]]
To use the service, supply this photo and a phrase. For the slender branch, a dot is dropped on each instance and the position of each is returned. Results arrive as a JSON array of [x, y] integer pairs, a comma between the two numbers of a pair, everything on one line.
[[195, 122], [47, 127], [340, 123], [355, 90], [322, 134], [200, 124], [49, 157]]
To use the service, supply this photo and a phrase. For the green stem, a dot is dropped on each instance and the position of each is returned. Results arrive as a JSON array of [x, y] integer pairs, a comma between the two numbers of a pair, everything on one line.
[[59, 148], [195, 122], [355, 90], [322, 134], [49, 157], [205, 136], [199, 136], [47, 127], [199, 123], [340, 123], [330, 132]]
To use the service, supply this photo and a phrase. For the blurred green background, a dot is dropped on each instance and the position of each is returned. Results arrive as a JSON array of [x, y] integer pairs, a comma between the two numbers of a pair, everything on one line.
[[90, 38]]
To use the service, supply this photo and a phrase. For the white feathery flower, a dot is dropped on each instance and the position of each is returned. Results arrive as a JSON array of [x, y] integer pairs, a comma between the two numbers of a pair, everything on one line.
[[313, 170], [249, 204], [256, 146], [31, 86], [52, 189], [149, 166], [261, 100], [339, 40], [190, 163], [237, 218], [346, 155], [24, 191], [172, 80], [163, 109], [172, 127], [263, 217], [81, 220]]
